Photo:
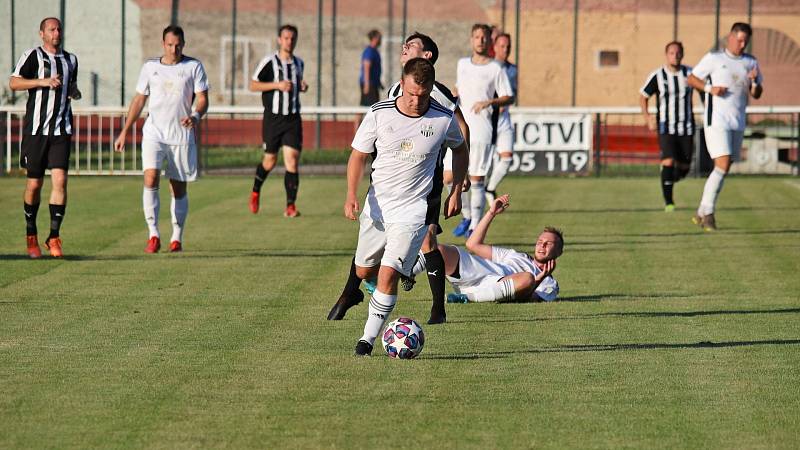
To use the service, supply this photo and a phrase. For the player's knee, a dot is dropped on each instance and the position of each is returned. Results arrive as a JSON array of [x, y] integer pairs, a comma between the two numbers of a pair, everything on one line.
[[524, 281], [365, 272], [667, 162]]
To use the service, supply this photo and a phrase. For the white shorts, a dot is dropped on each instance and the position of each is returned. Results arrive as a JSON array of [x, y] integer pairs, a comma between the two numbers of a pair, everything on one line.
[[394, 245], [480, 158], [181, 159], [505, 135], [473, 272], [721, 142]]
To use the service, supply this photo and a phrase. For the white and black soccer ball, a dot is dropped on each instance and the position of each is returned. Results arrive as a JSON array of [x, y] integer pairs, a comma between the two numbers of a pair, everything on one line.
[[403, 339]]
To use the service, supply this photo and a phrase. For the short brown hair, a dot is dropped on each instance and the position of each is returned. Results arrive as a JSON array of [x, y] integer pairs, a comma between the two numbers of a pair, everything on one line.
[[487, 30], [288, 27], [557, 232], [373, 34], [44, 21], [174, 29], [670, 44], [421, 70], [743, 27]]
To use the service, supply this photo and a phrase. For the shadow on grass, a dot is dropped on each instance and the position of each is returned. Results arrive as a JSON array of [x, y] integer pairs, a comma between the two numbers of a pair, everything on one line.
[[615, 347]]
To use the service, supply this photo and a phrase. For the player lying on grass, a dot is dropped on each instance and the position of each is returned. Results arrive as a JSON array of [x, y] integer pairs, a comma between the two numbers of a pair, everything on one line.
[[485, 273]]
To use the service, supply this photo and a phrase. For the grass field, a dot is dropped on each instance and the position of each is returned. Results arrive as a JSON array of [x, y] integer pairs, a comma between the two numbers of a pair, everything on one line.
[[665, 336]]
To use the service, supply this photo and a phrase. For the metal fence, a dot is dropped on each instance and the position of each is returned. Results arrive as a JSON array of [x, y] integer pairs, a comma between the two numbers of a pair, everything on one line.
[[549, 141]]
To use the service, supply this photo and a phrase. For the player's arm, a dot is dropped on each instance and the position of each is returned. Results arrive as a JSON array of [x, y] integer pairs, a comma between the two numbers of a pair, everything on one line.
[[137, 104], [200, 108], [355, 170], [499, 101], [16, 83], [366, 65], [755, 83], [648, 118], [700, 85], [475, 243]]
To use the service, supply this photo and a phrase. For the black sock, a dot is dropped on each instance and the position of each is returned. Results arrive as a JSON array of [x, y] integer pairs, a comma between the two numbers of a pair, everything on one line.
[[261, 176], [30, 218], [681, 173], [291, 181], [667, 180], [353, 282], [56, 216], [434, 265]]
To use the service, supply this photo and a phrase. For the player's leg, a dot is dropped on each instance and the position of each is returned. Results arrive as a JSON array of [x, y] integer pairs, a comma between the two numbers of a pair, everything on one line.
[[58, 163], [519, 286], [153, 154], [271, 144], [667, 144], [32, 158], [463, 225], [505, 146], [683, 160], [723, 146], [480, 158], [403, 242], [291, 179], [364, 265], [434, 267], [181, 169]]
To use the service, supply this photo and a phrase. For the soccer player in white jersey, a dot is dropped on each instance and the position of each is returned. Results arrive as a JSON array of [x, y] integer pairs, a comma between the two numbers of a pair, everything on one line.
[[407, 134], [491, 273], [728, 78], [504, 131], [417, 45], [171, 82], [482, 85]]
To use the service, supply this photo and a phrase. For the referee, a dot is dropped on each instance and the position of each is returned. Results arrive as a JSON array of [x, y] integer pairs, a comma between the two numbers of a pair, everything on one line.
[[49, 74], [279, 78], [673, 116]]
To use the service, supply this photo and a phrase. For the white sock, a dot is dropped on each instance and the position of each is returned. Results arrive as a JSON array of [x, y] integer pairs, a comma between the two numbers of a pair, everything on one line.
[[711, 192], [502, 290], [180, 209], [380, 306], [419, 266], [477, 200], [499, 172], [465, 211], [150, 204]]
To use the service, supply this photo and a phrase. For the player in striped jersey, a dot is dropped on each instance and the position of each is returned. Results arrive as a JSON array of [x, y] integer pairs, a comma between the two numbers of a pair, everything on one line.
[[279, 78], [728, 78], [417, 45], [675, 121], [407, 135], [172, 83], [49, 74]]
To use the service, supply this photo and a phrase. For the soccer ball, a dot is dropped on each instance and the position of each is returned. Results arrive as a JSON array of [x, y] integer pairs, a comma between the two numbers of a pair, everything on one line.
[[403, 339]]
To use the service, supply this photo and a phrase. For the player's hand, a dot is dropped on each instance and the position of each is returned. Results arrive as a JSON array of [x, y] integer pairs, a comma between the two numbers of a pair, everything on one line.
[[365, 91], [651, 122], [547, 269], [466, 185], [499, 205], [51, 83], [479, 106], [284, 86], [119, 144], [453, 205], [303, 86], [188, 122], [718, 91], [351, 208], [753, 74]]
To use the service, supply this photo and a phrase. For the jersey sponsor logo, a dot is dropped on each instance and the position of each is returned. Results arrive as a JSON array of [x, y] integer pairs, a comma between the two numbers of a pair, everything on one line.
[[426, 130], [407, 145]]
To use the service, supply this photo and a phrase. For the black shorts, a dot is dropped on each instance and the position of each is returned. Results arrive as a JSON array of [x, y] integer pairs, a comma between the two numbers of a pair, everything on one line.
[[679, 148], [44, 152], [371, 97], [278, 130]]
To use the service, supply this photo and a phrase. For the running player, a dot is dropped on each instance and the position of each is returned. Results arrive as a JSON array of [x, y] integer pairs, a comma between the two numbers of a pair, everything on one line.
[[172, 82], [482, 85], [407, 134], [674, 116], [49, 74], [279, 78], [732, 77]]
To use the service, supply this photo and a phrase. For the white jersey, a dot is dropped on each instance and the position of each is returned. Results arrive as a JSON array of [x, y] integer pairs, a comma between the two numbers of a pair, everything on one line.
[[407, 151], [171, 89], [476, 83], [504, 121], [727, 112]]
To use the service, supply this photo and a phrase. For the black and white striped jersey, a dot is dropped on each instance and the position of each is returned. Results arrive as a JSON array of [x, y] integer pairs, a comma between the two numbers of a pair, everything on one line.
[[48, 111], [440, 93], [272, 69], [674, 103]]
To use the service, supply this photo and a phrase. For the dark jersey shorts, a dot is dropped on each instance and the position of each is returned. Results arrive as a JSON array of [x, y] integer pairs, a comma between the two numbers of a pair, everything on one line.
[[676, 147], [41, 152], [278, 130]]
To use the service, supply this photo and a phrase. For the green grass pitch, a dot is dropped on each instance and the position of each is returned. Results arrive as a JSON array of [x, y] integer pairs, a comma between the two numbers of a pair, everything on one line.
[[665, 336]]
